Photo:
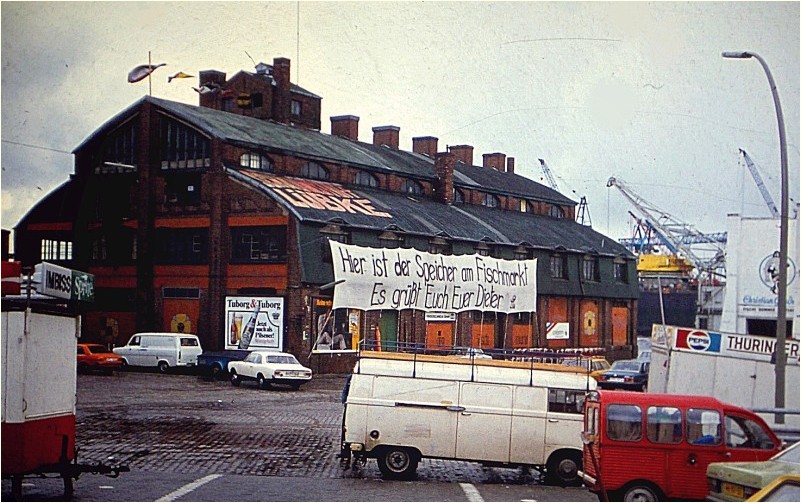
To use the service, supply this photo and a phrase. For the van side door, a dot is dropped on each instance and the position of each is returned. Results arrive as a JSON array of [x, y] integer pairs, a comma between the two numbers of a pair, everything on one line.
[[484, 427], [565, 419], [134, 352], [528, 425]]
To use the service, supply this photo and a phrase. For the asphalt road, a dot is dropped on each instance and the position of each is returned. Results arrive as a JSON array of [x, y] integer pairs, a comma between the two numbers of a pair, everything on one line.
[[187, 439]]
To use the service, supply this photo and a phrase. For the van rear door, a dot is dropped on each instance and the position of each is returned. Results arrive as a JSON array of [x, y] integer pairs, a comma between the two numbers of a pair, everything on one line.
[[565, 417], [485, 425]]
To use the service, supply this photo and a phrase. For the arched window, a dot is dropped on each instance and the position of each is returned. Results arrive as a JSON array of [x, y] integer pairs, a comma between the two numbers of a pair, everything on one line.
[[458, 196], [556, 211], [253, 160], [365, 179], [412, 187], [491, 201], [314, 171]]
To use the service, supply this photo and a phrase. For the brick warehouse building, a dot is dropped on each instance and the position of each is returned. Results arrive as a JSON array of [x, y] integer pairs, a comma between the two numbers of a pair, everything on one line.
[[175, 207]]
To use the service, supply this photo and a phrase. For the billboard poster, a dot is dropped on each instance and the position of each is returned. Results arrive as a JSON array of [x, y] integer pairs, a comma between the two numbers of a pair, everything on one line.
[[557, 331], [335, 330], [254, 323]]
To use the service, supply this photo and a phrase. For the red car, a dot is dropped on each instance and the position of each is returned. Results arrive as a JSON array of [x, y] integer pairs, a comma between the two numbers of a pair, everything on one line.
[[97, 357]]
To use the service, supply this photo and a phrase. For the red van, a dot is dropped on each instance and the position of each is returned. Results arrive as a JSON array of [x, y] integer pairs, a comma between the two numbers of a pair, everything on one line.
[[653, 447]]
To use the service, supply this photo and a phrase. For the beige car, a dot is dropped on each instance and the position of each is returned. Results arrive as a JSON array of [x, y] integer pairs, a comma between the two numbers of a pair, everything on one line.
[[740, 481]]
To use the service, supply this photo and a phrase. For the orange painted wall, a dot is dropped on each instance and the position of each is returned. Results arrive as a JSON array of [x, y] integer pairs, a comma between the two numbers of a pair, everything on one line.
[[439, 335], [521, 336], [181, 315], [557, 313], [257, 275], [620, 323], [483, 336]]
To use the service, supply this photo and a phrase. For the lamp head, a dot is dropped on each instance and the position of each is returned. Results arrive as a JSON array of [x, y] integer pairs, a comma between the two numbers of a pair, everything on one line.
[[737, 54]]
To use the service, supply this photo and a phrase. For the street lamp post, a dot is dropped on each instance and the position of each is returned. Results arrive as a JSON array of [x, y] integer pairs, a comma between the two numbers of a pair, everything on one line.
[[781, 318]]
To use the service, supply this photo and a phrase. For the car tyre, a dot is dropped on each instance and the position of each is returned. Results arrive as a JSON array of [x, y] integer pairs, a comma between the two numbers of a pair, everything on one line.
[[216, 372], [640, 491], [263, 383], [235, 379], [397, 463], [163, 367], [563, 469]]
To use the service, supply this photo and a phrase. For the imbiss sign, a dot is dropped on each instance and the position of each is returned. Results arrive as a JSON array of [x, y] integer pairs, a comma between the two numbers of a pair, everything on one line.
[[64, 283]]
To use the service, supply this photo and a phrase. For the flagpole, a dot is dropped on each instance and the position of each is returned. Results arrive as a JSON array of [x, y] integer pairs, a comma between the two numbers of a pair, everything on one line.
[[149, 80]]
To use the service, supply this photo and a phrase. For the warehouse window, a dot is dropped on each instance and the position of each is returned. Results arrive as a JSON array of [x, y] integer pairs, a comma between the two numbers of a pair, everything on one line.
[[556, 212], [183, 147], [589, 268], [256, 100], [253, 160], [458, 196], [365, 179], [119, 151], [412, 187], [483, 249], [559, 266], [297, 108], [56, 250], [182, 246], [491, 201], [621, 271], [314, 171], [258, 244], [440, 246]]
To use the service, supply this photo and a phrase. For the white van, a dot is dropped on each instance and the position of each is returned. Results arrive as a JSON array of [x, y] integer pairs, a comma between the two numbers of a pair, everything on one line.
[[161, 349], [400, 408]]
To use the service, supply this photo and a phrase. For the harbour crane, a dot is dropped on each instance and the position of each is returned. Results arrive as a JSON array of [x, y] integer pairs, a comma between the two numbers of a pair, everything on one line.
[[676, 236], [583, 212], [760, 184]]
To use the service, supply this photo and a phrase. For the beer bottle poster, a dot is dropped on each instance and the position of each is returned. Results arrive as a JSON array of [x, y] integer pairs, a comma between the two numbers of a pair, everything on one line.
[[254, 323]]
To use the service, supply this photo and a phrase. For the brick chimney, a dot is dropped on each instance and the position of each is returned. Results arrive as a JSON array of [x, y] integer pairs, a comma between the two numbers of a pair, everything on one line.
[[426, 145], [282, 98], [210, 100], [496, 160], [387, 135], [510, 164], [462, 153], [444, 163], [345, 125]]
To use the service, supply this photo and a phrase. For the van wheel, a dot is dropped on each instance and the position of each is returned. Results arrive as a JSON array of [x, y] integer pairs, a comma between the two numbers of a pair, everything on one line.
[[163, 367], [397, 463], [640, 491], [562, 469], [235, 379]]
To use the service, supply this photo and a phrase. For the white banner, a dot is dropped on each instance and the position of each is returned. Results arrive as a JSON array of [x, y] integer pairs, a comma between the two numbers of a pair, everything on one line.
[[382, 278]]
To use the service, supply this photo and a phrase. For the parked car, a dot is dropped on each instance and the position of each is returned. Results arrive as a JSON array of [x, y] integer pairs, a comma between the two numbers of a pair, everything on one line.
[[474, 353], [95, 357], [625, 374], [213, 364], [596, 365], [784, 488], [731, 481], [161, 350], [268, 368]]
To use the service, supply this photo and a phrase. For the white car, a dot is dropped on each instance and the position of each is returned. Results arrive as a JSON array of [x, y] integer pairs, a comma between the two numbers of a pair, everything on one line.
[[268, 368]]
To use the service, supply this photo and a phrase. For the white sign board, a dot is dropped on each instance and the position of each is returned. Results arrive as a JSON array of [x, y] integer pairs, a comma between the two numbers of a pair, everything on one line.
[[559, 330], [376, 278], [254, 323]]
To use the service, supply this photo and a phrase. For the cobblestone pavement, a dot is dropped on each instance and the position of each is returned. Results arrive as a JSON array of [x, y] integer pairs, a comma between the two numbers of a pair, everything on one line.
[[181, 423]]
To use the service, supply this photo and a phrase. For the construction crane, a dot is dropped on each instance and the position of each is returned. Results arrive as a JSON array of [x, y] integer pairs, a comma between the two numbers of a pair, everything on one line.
[[583, 212], [760, 184], [676, 236]]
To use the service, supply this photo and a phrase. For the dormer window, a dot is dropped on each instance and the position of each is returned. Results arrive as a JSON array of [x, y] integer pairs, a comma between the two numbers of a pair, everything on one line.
[[589, 268], [253, 160], [556, 212], [491, 201], [412, 187], [439, 245], [483, 249], [365, 179], [297, 108], [314, 171], [458, 196]]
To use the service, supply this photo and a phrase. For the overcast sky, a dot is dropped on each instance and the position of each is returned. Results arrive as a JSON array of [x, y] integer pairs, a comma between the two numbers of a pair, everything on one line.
[[638, 91]]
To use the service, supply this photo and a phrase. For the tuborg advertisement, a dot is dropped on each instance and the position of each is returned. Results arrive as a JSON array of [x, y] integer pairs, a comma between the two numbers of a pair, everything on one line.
[[254, 323]]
